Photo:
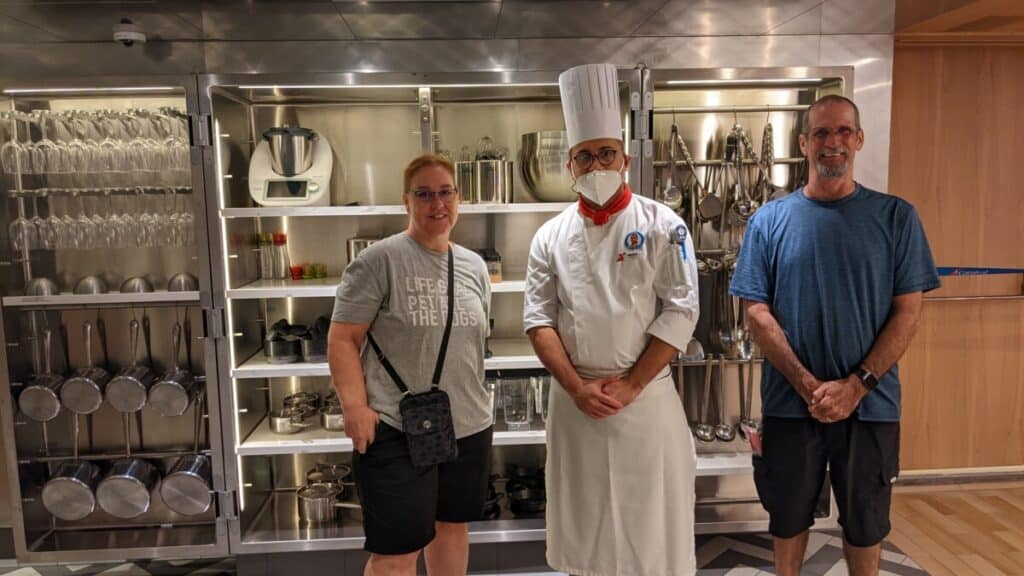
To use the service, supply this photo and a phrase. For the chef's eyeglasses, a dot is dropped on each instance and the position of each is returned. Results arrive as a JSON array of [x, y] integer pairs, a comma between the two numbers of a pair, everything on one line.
[[448, 194], [584, 159], [823, 134]]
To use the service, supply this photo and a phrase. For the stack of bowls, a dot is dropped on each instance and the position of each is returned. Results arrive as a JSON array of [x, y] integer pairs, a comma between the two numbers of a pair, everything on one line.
[[542, 160]]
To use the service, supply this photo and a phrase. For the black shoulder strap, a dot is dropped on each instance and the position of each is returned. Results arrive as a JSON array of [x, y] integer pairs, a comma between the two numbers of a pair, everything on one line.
[[439, 365]]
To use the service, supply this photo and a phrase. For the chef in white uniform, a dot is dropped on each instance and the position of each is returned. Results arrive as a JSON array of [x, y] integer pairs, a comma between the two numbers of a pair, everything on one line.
[[611, 297]]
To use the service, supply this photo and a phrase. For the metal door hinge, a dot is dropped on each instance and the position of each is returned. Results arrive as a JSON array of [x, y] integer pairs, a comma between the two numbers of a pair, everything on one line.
[[200, 130], [227, 505], [213, 323]]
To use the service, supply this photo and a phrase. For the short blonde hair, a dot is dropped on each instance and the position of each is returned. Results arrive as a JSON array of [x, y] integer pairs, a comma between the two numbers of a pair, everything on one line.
[[426, 161]]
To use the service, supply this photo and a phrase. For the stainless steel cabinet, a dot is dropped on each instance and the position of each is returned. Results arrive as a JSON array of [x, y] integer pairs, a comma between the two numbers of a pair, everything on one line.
[[102, 182]]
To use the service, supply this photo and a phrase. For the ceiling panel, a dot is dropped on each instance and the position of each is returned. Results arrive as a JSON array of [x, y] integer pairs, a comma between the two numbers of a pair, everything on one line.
[[269, 20], [94, 21], [718, 18], [574, 18], [394, 20]]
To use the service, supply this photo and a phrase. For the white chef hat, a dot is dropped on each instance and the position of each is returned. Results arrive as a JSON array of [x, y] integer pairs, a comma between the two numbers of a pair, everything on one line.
[[590, 102]]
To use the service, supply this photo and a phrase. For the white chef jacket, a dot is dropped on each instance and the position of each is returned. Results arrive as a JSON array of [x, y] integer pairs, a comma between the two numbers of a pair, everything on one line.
[[620, 490], [606, 288]]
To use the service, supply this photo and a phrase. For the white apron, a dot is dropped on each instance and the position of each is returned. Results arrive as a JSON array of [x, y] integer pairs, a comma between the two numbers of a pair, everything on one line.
[[620, 491]]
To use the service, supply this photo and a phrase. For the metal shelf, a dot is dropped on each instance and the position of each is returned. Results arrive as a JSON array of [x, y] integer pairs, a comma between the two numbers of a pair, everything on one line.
[[325, 288], [277, 529], [315, 440], [108, 299], [260, 289], [390, 210], [508, 355]]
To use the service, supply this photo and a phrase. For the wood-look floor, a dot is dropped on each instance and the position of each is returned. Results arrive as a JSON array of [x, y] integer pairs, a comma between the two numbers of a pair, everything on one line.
[[961, 530]]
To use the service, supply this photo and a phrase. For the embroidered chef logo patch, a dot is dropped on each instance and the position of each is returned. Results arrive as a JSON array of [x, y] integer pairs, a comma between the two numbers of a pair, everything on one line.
[[634, 241], [679, 237]]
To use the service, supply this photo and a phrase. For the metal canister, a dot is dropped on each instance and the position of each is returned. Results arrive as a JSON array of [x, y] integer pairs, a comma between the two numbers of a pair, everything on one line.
[[186, 488], [70, 494], [465, 181], [493, 181], [127, 490]]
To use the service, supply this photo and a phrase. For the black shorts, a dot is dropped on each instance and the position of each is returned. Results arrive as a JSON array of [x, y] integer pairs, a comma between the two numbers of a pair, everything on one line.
[[862, 460], [401, 502]]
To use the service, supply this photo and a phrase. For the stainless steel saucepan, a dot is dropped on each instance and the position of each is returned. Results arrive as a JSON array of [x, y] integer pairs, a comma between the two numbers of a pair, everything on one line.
[[70, 494], [318, 504], [186, 488], [177, 388], [83, 392], [40, 400], [128, 390], [127, 490], [288, 420]]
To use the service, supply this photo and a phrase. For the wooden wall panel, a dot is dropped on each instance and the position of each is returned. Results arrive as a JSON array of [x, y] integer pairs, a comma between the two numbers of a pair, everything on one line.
[[963, 401], [957, 154]]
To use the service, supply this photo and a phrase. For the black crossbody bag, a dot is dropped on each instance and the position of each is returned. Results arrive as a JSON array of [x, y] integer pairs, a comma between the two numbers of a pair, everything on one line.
[[427, 417]]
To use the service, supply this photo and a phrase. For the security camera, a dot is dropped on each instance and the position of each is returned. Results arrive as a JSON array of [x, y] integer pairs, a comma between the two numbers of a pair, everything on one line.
[[128, 33]]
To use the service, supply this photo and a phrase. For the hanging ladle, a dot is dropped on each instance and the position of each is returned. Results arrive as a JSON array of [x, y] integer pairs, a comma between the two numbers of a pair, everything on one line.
[[724, 431], [703, 431]]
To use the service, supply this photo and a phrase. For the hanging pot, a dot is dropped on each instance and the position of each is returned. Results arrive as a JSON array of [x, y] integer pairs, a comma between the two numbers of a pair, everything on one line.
[[186, 488], [83, 392], [127, 490], [70, 494], [128, 390], [40, 400], [177, 388]]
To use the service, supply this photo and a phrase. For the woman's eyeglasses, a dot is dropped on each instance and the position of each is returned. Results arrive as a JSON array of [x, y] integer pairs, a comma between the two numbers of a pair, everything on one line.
[[448, 194]]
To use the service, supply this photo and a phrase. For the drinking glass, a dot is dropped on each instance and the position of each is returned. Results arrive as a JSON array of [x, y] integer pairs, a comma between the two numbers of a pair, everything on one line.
[[21, 230], [541, 390], [515, 394], [54, 236]]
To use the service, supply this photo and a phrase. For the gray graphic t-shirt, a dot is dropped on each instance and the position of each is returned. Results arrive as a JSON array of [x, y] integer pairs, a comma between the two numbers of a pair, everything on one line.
[[400, 289]]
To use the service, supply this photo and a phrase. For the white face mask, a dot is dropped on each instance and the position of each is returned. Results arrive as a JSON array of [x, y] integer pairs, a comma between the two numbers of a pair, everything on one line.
[[598, 186]]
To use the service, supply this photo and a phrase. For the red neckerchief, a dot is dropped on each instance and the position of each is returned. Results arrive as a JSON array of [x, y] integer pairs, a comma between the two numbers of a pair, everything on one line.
[[601, 215]]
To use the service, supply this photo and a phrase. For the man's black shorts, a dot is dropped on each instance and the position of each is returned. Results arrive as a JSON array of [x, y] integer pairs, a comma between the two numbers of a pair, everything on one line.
[[401, 502], [862, 460]]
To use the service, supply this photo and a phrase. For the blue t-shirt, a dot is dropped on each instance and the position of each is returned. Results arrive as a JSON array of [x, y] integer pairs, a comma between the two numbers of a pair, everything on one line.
[[829, 271]]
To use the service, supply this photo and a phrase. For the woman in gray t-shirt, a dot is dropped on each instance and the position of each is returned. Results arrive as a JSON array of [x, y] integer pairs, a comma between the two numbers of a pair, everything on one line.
[[397, 289]]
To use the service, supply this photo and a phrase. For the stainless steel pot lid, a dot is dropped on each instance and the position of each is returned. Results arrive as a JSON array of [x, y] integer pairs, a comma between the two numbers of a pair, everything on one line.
[[186, 493], [39, 402], [126, 394], [81, 396], [288, 131], [69, 499], [169, 398], [318, 491]]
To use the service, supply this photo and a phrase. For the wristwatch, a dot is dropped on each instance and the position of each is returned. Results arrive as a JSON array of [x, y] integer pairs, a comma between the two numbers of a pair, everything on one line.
[[869, 380]]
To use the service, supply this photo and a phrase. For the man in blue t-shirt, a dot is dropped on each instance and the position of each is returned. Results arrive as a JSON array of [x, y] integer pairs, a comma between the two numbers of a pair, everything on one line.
[[832, 277]]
